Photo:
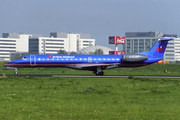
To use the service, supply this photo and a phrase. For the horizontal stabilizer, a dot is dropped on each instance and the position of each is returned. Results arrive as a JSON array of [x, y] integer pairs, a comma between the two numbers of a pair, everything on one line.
[[165, 39]]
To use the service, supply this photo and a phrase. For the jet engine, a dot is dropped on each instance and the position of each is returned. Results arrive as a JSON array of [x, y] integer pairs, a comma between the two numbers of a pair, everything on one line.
[[134, 57]]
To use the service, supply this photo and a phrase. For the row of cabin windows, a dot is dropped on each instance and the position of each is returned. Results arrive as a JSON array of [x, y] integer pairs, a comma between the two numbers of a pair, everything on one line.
[[79, 59]]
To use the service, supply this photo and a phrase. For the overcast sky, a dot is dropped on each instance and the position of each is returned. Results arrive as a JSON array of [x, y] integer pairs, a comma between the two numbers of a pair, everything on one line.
[[99, 18]]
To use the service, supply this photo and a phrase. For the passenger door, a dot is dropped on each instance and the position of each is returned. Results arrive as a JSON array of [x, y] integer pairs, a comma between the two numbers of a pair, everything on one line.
[[32, 60]]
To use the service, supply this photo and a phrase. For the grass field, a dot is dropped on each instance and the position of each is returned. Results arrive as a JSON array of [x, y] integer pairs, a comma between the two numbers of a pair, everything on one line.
[[89, 98]]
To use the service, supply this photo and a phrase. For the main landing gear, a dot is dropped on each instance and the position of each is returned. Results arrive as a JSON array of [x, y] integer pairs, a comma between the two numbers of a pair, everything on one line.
[[98, 71]]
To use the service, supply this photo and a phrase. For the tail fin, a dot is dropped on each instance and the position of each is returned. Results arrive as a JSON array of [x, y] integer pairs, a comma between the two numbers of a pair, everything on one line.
[[158, 49]]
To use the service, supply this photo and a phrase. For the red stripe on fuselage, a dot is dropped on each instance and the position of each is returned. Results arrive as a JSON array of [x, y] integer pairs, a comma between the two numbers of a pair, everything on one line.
[[49, 64]]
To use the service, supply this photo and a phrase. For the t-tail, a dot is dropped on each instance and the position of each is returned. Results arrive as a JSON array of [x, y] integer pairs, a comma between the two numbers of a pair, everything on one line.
[[158, 49]]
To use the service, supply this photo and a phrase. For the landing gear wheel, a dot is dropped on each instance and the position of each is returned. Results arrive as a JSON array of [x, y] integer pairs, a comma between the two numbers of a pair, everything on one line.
[[99, 73]]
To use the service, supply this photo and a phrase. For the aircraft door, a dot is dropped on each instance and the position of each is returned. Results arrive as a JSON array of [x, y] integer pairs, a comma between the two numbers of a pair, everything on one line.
[[89, 59], [32, 60]]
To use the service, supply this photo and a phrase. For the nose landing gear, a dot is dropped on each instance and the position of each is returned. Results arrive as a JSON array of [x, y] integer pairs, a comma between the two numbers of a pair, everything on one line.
[[15, 72]]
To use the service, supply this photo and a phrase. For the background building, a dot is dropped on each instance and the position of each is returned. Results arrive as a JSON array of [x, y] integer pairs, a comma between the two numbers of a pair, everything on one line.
[[12, 42], [172, 53], [65, 41], [143, 41], [92, 49], [13, 45]]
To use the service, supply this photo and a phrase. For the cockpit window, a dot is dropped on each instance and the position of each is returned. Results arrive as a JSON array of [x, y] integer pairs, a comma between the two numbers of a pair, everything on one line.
[[20, 57], [24, 58]]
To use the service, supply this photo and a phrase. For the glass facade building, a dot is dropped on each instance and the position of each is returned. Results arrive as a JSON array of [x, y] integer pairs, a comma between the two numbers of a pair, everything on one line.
[[143, 41], [138, 45]]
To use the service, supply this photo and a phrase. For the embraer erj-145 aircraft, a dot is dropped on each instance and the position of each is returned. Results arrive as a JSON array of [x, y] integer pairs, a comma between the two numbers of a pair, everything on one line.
[[95, 63]]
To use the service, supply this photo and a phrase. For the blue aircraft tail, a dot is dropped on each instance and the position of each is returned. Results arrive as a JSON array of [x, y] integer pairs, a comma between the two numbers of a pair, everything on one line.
[[158, 49]]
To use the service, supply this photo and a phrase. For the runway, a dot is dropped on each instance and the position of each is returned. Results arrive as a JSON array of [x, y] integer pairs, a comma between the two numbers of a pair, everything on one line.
[[90, 76]]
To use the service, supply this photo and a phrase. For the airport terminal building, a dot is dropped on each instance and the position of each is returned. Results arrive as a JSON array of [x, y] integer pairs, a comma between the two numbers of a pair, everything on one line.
[[143, 41], [13, 43]]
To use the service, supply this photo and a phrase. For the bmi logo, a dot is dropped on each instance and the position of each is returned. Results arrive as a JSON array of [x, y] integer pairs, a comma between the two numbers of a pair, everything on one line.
[[49, 56], [158, 49]]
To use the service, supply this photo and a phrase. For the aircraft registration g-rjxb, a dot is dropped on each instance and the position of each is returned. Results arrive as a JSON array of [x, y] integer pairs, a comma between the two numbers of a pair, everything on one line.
[[95, 63]]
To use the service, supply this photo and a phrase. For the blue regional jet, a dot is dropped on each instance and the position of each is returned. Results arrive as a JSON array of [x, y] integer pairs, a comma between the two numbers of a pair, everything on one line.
[[95, 63]]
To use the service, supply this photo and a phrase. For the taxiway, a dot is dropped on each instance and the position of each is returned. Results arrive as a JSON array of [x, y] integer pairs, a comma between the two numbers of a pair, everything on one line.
[[92, 76]]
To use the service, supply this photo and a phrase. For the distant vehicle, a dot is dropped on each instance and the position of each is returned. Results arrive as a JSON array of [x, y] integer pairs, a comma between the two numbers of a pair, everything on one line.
[[95, 63]]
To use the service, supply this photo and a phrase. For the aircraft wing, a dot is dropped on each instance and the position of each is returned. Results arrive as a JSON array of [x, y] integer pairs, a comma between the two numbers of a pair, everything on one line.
[[93, 67]]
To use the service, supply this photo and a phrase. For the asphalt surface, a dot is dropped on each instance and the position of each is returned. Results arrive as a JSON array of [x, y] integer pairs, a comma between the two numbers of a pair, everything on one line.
[[92, 76]]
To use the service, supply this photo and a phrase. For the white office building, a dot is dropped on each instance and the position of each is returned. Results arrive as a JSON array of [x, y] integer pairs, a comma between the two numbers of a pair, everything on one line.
[[172, 53], [143, 41], [12, 42], [60, 41]]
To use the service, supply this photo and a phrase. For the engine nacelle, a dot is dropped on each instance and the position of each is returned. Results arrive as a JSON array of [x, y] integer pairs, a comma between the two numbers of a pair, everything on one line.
[[134, 57]]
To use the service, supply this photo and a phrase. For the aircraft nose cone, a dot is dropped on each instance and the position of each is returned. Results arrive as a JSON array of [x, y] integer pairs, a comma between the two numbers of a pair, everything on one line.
[[10, 66], [6, 65]]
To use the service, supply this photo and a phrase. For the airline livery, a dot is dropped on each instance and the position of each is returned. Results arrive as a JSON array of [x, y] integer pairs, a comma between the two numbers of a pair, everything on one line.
[[95, 63]]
